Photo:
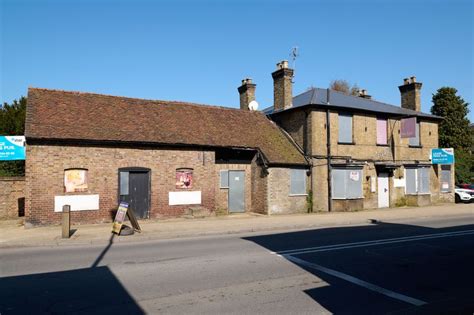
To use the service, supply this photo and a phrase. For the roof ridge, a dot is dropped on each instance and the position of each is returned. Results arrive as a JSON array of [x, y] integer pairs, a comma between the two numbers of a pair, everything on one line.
[[184, 103]]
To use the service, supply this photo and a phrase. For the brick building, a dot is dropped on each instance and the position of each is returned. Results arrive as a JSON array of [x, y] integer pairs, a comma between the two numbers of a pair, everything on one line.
[[166, 159], [358, 157], [169, 159]]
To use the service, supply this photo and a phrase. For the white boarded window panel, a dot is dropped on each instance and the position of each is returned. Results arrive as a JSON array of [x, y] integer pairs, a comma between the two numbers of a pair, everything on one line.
[[354, 183], [445, 178], [77, 202], [224, 178], [410, 175], [338, 183], [184, 198], [345, 128], [297, 182], [416, 140], [423, 180]]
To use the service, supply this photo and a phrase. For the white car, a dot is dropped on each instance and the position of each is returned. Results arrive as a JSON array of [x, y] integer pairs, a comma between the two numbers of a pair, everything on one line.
[[464, 195]]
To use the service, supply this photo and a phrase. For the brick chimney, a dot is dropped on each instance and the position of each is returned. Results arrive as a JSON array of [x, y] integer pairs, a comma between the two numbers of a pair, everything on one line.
[[410, 94], [282, 86], [247, 93]]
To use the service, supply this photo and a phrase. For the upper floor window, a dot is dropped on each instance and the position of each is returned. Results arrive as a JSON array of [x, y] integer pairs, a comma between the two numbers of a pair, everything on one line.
[[345, 128], [415, 141], [381, 131], [75, 180]]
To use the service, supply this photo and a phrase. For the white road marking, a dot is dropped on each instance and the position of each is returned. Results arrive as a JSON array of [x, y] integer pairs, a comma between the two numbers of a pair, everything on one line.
[[371, 243], [356, 281]]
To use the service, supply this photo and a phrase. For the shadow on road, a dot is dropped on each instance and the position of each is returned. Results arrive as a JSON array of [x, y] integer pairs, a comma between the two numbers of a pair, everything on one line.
[[436, 270], [93, 290]]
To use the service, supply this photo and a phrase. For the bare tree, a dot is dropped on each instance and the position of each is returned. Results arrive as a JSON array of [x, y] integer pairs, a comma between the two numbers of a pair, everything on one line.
[[344, 87]]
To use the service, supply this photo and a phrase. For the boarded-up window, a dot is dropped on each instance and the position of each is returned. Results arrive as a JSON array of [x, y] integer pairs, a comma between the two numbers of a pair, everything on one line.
[[446, 178], [345, 128], [381, 131], [417, 180], [224, 179], [415, 141], [297, 182], [75, 180], [346, 183]]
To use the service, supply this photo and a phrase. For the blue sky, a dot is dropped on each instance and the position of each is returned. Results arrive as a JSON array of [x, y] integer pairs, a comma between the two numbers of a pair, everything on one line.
[[199, 51]]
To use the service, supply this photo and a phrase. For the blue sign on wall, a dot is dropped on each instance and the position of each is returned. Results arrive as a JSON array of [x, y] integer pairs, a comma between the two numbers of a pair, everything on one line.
[[12, 148], [442, 156]]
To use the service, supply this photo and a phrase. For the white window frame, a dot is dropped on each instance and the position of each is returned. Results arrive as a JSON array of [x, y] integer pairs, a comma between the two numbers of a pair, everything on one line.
[[303, 172]]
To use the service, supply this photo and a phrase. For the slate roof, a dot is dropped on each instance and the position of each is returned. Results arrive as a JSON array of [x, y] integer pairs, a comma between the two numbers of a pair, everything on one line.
[[319, 97], [63, 115]]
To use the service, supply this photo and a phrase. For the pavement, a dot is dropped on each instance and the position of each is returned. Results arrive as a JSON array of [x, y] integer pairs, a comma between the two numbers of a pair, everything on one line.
[[13, 233]]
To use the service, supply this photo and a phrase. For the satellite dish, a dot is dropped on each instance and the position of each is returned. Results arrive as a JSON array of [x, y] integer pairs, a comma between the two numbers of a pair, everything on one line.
[[253, 105]]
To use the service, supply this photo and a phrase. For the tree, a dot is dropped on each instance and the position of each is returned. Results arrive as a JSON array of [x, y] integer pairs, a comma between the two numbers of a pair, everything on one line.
[[12, 123], [454, 131], [344, 87]]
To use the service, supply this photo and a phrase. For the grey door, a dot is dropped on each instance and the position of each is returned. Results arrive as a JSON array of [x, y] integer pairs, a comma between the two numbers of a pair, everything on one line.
[[236, 191], [135, 189]]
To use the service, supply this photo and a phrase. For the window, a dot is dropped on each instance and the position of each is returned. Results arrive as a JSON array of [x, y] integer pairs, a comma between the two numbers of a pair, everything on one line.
[[345, 128], [75, 180], [297, 182], [184, 178], [417, 180], [445, 178], [346, 183], [381, 131], [415, 141], [224, 179], [124, 183]]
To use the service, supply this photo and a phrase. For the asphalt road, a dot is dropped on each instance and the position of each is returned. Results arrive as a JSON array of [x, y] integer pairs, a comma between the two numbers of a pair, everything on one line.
[[421, 266]]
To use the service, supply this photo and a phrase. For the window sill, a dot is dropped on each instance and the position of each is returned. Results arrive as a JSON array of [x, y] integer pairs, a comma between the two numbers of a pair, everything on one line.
[[415, 146], [421, 194], [346, 143], [382, 145], [348, 198], [297, 195]]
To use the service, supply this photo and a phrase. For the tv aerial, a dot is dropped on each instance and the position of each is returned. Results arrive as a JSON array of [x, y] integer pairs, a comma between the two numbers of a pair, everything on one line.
[[294, 54], [253, 105]]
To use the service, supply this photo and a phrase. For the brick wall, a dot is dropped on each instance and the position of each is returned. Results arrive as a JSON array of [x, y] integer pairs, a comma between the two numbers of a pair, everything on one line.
[[12, 197], [259, 188], [45, 178], [279, 199]]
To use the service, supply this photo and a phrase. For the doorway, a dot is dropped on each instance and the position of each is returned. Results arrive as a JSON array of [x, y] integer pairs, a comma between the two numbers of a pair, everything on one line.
[[236, 191], [383, 190], [134, 188]]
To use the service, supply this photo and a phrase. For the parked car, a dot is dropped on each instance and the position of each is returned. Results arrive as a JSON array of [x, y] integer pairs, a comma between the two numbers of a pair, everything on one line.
[[466, 186], [463, 194]]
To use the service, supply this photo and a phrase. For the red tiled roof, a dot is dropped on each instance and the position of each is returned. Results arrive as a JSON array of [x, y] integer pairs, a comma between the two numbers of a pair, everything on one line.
[[63, 115]]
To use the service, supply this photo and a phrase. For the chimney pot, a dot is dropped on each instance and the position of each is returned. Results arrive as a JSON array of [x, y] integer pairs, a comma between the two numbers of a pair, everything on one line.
[[406, 81], [413, 79]]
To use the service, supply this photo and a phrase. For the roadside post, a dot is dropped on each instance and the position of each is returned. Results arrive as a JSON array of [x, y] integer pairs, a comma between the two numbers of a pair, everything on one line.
[[66, 224]]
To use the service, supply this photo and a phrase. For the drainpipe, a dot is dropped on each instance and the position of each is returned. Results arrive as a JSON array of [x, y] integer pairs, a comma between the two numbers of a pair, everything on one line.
[[328, 146]]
